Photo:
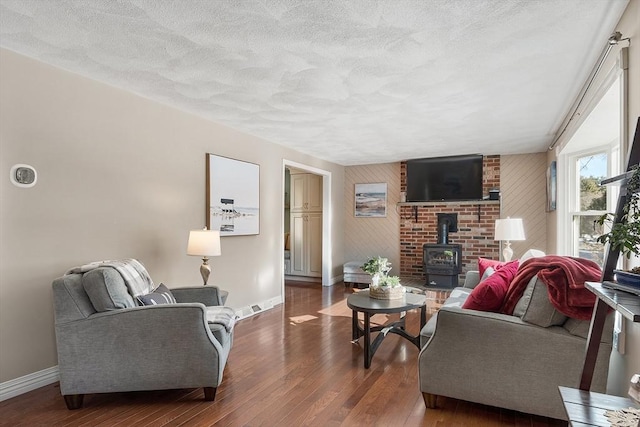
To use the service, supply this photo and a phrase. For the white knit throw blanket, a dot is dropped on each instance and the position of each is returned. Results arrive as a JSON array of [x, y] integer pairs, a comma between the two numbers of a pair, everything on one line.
[[132, 271], [225, 316]]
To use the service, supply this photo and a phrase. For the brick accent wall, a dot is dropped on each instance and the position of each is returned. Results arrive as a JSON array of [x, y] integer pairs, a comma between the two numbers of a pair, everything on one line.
[[475, 225]]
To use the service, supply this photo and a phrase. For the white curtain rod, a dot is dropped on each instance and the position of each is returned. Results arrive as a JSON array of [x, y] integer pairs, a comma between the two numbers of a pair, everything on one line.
[[611, 42]]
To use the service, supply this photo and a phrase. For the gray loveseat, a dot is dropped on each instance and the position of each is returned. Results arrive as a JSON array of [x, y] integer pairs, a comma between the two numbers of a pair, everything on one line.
[[509, 361], [107, 342]]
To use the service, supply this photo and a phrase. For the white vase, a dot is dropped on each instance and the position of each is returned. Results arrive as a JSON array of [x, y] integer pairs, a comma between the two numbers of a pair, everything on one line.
[[375, 280]]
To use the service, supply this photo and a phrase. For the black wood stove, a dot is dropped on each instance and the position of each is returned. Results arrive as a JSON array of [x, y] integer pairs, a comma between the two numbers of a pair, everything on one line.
[[442, 262]]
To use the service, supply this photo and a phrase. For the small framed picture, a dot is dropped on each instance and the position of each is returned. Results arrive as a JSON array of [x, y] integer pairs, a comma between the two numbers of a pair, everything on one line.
[[371, 200], [552, 186]]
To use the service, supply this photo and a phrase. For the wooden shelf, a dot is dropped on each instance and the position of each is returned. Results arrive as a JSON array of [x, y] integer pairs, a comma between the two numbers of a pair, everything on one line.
[[627, 304], [451, 202], [619, 179]]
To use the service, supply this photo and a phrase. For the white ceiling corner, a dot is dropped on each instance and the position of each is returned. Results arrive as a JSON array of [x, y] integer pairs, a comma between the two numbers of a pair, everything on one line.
[[353, 82]]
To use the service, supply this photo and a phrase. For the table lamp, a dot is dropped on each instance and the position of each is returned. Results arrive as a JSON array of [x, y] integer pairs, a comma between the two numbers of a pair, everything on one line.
[[204, 243], [508, 229]]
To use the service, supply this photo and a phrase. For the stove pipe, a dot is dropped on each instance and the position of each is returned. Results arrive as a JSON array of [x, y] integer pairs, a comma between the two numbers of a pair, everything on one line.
[[447, 223], [443, 233]]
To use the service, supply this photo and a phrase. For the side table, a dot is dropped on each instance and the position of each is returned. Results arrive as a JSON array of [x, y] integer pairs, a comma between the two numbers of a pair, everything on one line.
[[362, 302], [586, 408]]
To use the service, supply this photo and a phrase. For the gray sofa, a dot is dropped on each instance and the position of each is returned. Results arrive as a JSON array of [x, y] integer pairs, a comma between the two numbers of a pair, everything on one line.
[[515, 362], [107, 342]]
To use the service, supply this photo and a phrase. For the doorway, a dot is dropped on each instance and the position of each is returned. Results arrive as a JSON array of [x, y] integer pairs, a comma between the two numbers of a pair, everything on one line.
[[317, 218]]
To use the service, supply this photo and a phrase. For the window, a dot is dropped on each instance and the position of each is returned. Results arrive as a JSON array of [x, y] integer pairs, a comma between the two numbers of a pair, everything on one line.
[[590, 202], [592, 153]]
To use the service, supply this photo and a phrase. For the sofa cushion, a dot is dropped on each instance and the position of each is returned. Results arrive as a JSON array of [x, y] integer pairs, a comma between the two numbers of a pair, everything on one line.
[[71, 301], [534, 306], [489, 294], [161, 295], [106, 289], [220, 333], [580, 328], [471, 279]]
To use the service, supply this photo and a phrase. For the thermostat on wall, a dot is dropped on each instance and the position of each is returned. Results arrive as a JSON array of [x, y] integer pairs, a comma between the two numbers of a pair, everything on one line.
[[23, 176]]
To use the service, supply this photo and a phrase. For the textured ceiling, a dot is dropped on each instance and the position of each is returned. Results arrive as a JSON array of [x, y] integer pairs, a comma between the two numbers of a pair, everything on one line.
[[353, 82]]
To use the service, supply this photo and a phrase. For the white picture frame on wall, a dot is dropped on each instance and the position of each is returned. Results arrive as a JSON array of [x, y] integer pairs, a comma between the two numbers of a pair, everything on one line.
[[233, 196], [371, 200]]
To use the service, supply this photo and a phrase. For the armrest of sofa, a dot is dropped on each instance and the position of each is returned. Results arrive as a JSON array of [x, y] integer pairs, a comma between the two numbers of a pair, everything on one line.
[[471, 279], [500, 360], [131, 345], [207, 295]]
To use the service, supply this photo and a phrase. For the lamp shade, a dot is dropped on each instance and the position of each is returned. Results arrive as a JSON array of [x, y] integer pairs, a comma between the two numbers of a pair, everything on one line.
[[204, 243], [509, 229]]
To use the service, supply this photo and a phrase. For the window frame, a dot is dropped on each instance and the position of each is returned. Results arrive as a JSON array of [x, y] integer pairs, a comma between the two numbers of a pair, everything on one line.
[[573, 211], [568, 180]]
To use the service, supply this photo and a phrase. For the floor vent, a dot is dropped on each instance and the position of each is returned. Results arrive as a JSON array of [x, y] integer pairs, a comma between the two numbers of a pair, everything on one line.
[[252, 309]]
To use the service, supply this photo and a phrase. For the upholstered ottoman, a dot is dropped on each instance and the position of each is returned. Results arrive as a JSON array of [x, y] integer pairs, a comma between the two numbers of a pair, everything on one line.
[[354, 274]]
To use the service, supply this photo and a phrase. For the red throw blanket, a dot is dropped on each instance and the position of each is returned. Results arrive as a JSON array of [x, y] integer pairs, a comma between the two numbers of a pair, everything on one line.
[[564, 277]]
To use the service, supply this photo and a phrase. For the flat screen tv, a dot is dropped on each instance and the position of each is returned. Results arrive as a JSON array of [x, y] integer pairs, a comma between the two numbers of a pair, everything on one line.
[[454, 178]]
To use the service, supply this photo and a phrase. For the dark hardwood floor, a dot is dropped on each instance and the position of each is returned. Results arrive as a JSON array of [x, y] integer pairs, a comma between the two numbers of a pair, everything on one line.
[[293, 365]]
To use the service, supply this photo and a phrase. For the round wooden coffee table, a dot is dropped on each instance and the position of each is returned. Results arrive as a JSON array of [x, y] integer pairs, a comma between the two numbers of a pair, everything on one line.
[[363, 303]]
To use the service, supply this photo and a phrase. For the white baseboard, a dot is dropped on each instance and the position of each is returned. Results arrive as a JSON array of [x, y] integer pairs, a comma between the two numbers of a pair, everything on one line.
[[337, 279], [250, 310], [24, 384], [332, 281], [303, 278], [21, 385]]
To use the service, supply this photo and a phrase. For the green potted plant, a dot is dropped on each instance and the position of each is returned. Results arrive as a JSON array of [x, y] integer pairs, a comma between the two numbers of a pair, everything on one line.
[[625, 235], [382, 286], [390, 281], [377, 267]]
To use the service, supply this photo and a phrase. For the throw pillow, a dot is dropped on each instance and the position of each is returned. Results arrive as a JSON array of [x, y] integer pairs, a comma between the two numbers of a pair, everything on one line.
[[489, 294], [531, 253], [484, 263], [161, 295], [488, 272], [534, 306]]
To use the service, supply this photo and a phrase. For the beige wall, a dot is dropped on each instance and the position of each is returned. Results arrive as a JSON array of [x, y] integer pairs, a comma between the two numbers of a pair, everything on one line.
[[523, 188], [367, 237], [119, 176], [624, 366]]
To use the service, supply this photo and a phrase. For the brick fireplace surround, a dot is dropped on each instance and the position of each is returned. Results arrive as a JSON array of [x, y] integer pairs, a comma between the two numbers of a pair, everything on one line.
[[475, 225]]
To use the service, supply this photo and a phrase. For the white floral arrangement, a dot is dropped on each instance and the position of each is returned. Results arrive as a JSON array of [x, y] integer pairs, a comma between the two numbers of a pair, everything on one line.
[[377, 265], [382, 286]]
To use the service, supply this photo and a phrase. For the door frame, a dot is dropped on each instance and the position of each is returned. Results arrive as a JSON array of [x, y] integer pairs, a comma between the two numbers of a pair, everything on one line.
[[326, 219]]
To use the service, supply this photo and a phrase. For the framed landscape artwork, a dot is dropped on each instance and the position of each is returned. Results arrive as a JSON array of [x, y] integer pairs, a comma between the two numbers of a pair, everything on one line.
[[371, 200], [233, 196], [552, 186]]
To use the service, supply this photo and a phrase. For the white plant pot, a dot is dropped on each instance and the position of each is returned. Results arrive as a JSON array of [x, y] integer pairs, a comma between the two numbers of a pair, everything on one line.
[[375, 280]]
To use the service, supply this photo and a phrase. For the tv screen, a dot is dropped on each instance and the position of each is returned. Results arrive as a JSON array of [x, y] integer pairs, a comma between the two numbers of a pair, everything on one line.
[[454, 178]]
